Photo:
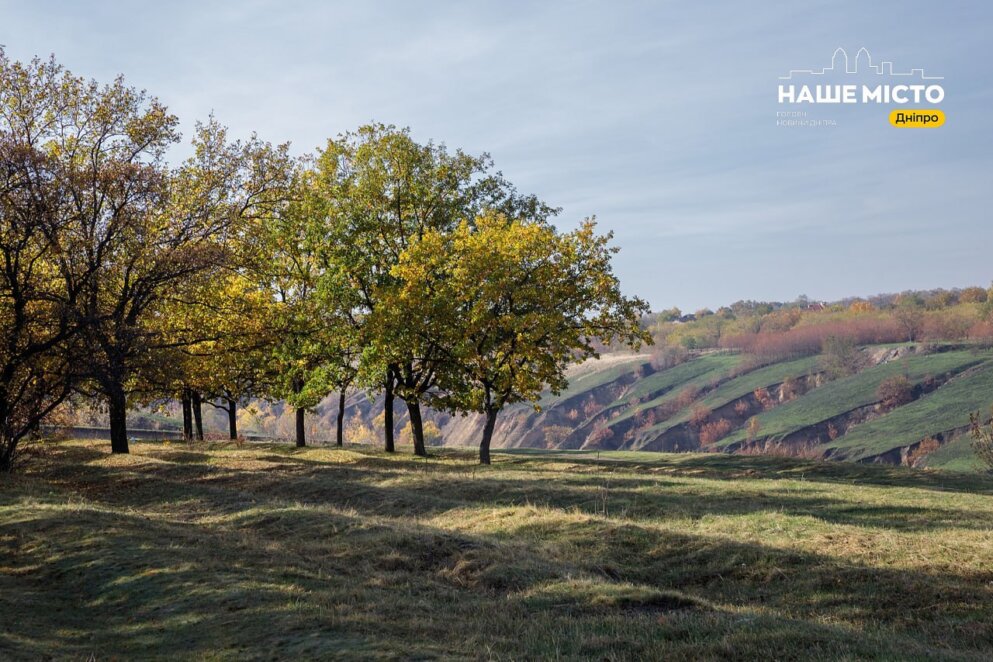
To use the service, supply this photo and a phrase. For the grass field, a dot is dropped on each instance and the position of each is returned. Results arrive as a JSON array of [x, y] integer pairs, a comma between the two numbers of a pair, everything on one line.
[[224, 553]]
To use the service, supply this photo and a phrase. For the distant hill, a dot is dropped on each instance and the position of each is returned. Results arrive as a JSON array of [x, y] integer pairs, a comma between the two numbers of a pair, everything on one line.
[[626, 404], [712, 399]]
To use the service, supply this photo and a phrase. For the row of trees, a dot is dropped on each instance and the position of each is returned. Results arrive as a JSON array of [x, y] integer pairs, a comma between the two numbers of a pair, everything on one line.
[[380, 263]]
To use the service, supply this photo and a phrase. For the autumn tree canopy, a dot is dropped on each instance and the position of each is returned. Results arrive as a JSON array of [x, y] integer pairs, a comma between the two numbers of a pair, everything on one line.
[[380, 263]]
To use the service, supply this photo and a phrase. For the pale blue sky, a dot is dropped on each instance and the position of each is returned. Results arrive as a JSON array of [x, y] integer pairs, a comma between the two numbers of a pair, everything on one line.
[[657, 117]]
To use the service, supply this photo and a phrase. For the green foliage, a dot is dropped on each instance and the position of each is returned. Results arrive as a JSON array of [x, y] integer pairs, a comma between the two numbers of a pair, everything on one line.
[[513, 304]]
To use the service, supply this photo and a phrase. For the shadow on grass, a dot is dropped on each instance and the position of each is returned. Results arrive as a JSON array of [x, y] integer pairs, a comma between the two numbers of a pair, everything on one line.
[[392, 487], [190, 559], [723, 466]]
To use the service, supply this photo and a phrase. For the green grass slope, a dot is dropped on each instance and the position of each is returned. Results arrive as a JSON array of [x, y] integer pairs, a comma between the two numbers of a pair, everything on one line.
[[270, 552], [593, 374], [946, 408], [956, 455], [848, 393], [738, 387], [696, 373]]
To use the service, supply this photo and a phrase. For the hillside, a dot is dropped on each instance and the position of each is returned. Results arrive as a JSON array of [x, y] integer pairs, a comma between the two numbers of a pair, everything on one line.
[[708, 402], [797, 409], [221, 553]]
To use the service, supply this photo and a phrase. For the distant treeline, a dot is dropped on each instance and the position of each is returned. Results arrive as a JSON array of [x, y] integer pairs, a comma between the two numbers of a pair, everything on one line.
[[781, 330]]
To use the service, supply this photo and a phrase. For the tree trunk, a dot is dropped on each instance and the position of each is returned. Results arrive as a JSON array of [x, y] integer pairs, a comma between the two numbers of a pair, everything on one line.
[[232, 419], [117, 403], [484, 445], [198, 414], [8, 439], [7, 447], [301, 432], [187, 415], [341, 419], [388, 414], [416, 427]]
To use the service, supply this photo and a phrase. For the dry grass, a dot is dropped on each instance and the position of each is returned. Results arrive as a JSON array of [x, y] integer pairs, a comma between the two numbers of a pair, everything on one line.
[[265, 551]]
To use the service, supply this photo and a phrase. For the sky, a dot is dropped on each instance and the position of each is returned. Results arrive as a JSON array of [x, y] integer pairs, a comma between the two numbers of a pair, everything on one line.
[[657, 117]]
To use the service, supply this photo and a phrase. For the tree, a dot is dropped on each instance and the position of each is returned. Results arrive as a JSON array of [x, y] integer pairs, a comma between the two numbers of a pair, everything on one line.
[[37, 293], [219, 320], [380, 192], [512, 304], [292, 278], [103, 152], [861, 306], [231, 362], [973, 295], [909, 313], [148, 248], [941, 299]]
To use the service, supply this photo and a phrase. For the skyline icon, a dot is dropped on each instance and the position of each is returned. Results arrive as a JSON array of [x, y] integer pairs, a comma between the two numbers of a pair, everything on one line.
[[842, 63]]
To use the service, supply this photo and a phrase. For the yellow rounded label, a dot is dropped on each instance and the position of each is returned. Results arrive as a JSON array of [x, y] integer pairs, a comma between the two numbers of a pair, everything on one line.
[[930, 118]]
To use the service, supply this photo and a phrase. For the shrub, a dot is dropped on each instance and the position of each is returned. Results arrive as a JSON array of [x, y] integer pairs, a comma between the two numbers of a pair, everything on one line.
[[753, 429], [763, 398], [982, 332], [599, 435], [712, 432], [807, 340], [699, 416], [665, 357], [645, 418], [841, 357], [432, 433], [982, 440], [895, 391], [946, 326], [687, 396], [789, 389], [555, 435]]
